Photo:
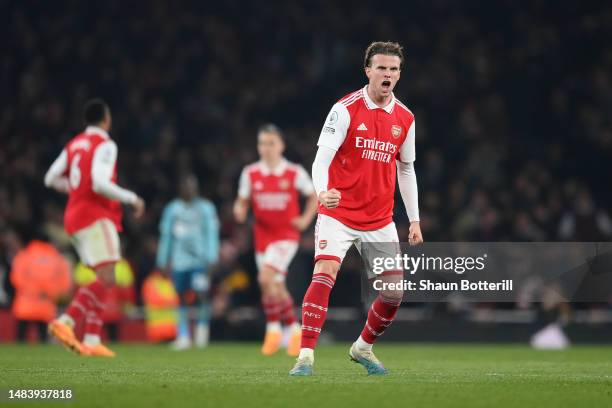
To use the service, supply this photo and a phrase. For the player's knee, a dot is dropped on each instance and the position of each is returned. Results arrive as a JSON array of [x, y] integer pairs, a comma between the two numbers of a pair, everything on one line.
[[327, 267], [392, 296], [265, 278], [281, 290], [106, 274]]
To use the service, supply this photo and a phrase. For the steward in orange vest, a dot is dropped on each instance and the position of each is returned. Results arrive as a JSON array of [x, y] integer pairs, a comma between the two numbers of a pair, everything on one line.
[[40, 276]]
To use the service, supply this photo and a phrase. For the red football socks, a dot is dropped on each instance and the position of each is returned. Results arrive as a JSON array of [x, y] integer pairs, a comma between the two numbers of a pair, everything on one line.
[[87, 298], [272, 309], [314, 308], [286, 311], [380, 316]]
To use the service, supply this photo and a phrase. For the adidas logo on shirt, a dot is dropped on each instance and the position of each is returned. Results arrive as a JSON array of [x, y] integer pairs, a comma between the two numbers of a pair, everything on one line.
[[362, 127]]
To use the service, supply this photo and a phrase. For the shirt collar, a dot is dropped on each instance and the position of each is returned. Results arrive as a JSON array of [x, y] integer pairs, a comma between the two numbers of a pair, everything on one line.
[[97, 130], [371, 105], [277, 171]]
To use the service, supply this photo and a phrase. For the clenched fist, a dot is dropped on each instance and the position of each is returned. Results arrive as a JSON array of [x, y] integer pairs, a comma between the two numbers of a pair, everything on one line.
[[330, 199], [415, 236]]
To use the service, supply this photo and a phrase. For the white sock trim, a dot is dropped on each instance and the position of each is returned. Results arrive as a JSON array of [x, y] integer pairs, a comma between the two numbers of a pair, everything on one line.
[[273, 326], [91, 339], [362, 344], [306, 353], [66, 319]]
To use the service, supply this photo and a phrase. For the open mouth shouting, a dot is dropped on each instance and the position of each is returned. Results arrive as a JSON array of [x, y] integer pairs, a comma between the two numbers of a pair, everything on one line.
[[386, 86]]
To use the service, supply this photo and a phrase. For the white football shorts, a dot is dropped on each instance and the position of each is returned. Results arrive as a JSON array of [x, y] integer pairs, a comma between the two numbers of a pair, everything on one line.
[[98, 243], [333, 239], [277, 255]]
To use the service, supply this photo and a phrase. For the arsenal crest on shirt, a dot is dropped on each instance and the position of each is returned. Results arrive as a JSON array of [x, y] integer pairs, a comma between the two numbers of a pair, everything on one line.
[[323, 244], [396, 131], [284, 184]]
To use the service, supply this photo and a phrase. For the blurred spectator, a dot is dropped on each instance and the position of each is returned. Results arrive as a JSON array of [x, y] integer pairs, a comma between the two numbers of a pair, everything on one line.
[[161, 302], [41, 276], [585, 222], [10, 244]]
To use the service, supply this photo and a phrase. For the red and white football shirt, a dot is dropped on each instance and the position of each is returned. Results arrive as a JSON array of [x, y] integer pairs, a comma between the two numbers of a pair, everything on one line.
[[368, 140], [274, 199], [85, 206]]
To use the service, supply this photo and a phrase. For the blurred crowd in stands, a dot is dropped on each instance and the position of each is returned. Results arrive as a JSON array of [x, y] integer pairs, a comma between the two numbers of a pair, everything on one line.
[[513, 103]]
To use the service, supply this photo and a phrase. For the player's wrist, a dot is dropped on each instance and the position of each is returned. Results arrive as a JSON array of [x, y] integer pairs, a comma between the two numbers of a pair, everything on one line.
[[132, 198]]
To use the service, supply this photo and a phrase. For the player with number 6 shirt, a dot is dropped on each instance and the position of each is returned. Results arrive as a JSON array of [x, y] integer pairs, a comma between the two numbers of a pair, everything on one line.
[[86, 171]]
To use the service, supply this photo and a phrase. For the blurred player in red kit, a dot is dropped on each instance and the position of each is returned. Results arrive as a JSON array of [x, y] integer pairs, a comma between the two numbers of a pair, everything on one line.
[[272, 187], [366, 143], [86, 171]]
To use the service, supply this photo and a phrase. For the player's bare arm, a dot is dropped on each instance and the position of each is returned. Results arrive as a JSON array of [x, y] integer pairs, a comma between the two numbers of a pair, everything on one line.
[[139, 207], [241, 209], [303, 221]]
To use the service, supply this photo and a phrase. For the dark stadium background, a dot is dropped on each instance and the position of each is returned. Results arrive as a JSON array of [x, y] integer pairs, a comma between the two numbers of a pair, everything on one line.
[[513, 102]]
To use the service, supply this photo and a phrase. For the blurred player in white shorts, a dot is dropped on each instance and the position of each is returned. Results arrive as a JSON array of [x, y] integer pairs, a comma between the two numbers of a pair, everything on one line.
[[272, 187], [86, 171], [98, 243], [277, 255]]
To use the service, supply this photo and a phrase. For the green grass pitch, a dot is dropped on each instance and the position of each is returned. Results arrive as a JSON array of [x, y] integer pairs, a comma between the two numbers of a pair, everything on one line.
[[236, 375]]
